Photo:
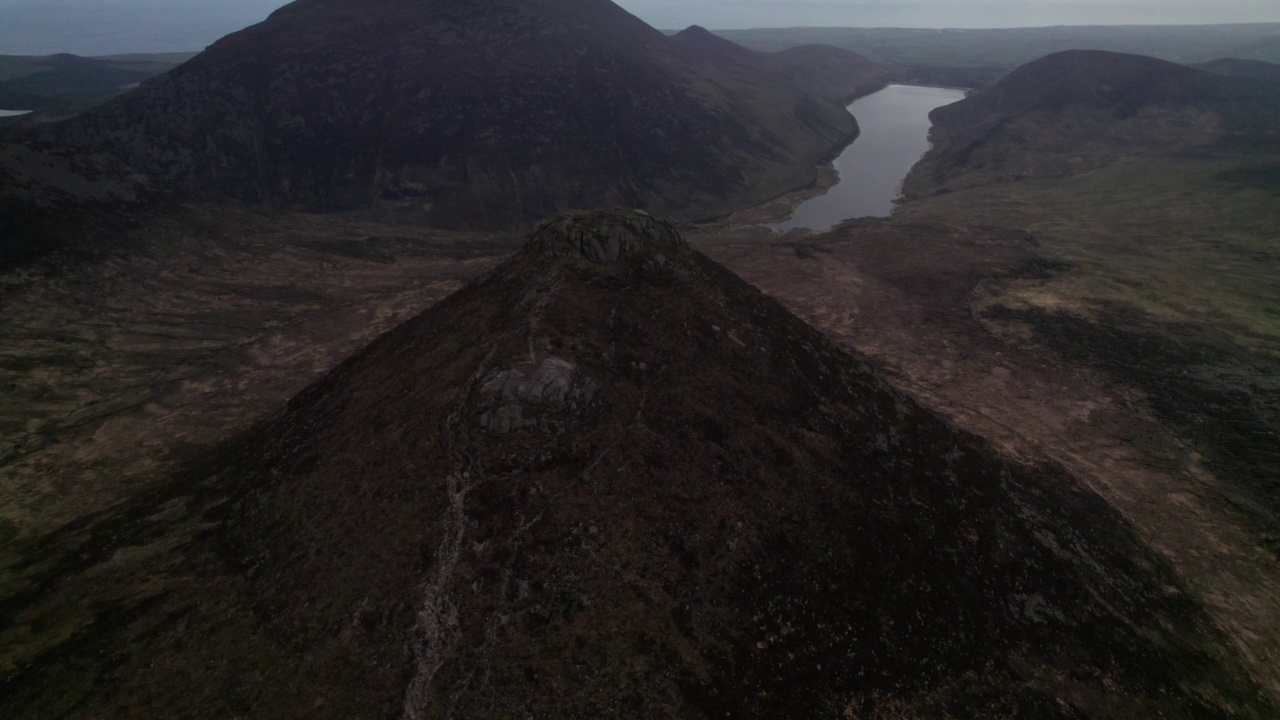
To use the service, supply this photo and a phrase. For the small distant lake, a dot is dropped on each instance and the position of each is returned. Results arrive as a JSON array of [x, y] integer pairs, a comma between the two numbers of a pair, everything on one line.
[[894, 126], [12, 113]]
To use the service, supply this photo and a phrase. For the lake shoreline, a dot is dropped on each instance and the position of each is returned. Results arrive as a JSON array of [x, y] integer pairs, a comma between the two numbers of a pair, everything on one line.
[[865, 179]]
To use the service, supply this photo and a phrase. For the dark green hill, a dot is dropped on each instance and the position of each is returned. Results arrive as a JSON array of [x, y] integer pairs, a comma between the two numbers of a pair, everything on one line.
[[1075, 111], [488, 115], [69, 82]]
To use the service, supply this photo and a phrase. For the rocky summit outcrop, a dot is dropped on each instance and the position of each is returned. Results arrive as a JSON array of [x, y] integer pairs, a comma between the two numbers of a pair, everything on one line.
[[606, 237], [611, 479], [479, 114], [1076, 111]]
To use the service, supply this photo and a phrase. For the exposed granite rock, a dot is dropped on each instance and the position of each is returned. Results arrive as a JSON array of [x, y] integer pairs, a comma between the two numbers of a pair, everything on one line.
[[520, 395], [605, 237]]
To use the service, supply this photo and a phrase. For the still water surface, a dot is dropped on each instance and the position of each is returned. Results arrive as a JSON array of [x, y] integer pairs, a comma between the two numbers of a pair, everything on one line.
[[895, 133]]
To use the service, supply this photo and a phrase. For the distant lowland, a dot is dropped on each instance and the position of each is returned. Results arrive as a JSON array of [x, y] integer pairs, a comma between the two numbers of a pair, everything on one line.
[[973, 57], [438, 359]]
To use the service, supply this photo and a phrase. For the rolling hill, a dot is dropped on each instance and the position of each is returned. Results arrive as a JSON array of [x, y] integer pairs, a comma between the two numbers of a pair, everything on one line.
[[1266, 49], [1076, 111], [69, 81], [1236, 67]]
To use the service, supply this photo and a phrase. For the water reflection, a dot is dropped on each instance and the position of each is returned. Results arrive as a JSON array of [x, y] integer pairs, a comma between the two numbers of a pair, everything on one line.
[[895, 133]]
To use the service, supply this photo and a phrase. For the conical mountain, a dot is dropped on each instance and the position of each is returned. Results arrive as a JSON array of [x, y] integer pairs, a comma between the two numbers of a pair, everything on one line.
[[612, 479], [488, 113], [1074, 111]]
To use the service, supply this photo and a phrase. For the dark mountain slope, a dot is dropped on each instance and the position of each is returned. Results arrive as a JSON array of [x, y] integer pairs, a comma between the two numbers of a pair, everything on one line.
[[475, 114], [1075, 111], [612, 479]]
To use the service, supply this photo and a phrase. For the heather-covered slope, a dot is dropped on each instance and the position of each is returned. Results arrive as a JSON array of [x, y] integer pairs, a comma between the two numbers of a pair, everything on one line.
[[612, 478], [609, 478], [479, 115], [1076, 111]]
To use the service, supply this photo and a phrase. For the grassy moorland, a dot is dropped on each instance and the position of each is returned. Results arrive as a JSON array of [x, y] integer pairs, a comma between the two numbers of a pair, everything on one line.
[[1165, 279], [1121, 323]]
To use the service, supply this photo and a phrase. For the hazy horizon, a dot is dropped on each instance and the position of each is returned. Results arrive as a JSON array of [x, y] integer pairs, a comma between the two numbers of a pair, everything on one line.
[[103, 27]]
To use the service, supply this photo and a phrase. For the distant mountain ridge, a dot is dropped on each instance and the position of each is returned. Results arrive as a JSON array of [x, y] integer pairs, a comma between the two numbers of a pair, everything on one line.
[[480, 114], [1074, 111], [1257, 69], [32, 83]]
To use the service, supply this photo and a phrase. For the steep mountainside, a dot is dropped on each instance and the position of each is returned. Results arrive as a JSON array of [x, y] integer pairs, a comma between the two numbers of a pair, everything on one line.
[[612, 479], [482, 115], [1076, 111]]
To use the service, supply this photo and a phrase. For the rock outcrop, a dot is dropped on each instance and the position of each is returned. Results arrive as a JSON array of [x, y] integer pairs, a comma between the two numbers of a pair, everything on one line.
[[605, 237]]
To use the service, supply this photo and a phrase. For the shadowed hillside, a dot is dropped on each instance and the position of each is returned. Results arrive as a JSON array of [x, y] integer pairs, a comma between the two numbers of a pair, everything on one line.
[[1076, 111], [462, 115]]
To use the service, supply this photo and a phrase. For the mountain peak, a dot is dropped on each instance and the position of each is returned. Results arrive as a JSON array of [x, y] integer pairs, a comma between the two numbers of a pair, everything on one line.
[[605, 237], [695, 31]]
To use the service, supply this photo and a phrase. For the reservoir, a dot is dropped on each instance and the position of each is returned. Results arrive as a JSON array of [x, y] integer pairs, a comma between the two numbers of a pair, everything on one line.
[[894, 126], [12, 113]]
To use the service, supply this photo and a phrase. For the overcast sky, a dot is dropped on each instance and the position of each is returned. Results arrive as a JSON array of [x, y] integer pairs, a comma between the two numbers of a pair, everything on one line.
[[98, 27]]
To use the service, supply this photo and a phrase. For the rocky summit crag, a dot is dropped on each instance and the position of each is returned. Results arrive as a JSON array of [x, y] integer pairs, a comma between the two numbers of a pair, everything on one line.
[[478, 114], [610, 478]]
